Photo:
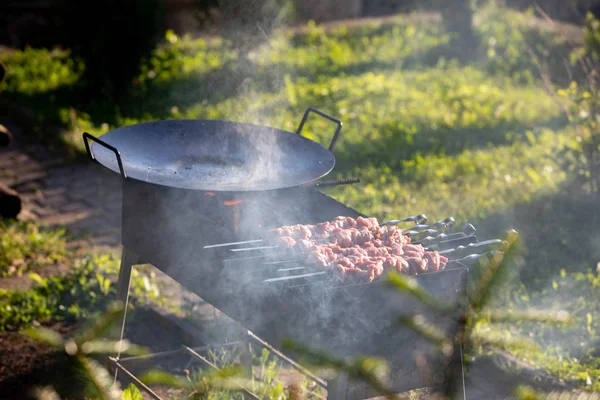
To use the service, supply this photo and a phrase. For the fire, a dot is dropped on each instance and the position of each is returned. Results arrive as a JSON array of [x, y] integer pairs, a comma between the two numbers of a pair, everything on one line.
[[235, 212], [209, 194]]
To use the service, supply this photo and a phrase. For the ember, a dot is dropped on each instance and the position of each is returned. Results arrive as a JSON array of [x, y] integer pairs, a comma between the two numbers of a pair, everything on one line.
[[232, 202]]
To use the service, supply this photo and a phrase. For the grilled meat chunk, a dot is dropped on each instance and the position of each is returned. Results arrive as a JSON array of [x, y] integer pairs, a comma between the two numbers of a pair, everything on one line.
[[359, 248]]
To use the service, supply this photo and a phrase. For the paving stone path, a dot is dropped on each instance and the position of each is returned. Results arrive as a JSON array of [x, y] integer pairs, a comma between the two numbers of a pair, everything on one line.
[[84, 197]]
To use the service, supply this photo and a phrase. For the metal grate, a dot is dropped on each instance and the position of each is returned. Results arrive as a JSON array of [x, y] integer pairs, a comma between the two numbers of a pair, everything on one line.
[[127, 364]]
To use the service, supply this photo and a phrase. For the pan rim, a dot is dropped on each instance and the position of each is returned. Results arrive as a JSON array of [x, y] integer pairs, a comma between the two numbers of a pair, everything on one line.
[[110, 163]]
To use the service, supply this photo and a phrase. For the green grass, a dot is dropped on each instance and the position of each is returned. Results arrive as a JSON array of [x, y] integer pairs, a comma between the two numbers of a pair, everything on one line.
[[479, 140], [570, 350], [25, 246], [84, 290]]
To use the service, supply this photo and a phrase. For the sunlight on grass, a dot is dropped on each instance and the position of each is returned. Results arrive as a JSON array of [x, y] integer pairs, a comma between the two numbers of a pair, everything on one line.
[[423, 133], [25, 246]]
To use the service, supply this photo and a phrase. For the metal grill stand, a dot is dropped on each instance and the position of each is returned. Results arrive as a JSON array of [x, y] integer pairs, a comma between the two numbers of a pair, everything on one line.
[[168, 216], [338, 388]]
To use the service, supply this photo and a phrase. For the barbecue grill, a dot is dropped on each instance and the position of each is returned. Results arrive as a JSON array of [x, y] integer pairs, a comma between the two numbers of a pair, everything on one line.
[[198, 198]]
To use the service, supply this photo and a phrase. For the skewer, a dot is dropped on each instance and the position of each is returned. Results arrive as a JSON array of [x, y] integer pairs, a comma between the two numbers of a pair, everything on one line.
[[417, 229], [232, 243], [285, 278], [254, 248]]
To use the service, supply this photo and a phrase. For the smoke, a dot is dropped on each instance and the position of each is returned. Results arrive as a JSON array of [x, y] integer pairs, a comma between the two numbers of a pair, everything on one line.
[[252, 156]]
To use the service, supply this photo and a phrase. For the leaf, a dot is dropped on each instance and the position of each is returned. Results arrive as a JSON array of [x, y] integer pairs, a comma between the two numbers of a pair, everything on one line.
[[156, 377], [45, 393], [532, 315], [109, 347], [45, 335], [231, 383], [131, 393], [410, 286], [359, 368], [418, 324], [228, 372], [37, 278], [99, 379], [101, 324], [499, 340], [495, 273]]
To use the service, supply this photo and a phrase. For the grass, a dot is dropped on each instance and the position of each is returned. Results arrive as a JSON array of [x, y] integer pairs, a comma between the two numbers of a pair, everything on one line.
[[25, 247], [570, 351], [479, 140], [86, 289]]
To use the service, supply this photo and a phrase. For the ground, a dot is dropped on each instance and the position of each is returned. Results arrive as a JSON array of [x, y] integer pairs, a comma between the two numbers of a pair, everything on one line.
[[86, 199], [482, 142]]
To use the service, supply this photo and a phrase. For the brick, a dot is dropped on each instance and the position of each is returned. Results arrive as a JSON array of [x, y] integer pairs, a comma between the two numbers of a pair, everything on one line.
[[56, 201], [109, 240], [30, 176], [54, 191], [54, 181], [27, 215], [43, 212], [38, 152], [93, 200], [7, 159], [77, 186], [74, 207], [62, 219], [19, 157], [30, 186], [74, 244]]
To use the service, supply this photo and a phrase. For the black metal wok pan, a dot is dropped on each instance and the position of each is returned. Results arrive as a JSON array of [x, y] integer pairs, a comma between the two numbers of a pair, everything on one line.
[[214, 155]]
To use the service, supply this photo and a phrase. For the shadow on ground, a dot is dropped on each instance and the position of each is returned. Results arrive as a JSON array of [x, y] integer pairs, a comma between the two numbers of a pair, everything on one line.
[[558, 231]]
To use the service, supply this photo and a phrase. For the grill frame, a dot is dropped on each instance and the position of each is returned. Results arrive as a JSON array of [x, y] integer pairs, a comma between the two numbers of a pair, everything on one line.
[[141, 200], [158, 221]]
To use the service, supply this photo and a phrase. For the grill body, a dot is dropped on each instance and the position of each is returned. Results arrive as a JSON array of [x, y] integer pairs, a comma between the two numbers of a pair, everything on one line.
[[168, 228]]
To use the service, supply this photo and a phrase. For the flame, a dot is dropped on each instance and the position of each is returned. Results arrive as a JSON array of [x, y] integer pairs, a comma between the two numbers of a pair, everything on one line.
[[236, 212], [209, 194]]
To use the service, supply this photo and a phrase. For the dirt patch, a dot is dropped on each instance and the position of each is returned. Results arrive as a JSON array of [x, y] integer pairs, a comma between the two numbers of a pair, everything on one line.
[[25, 363]]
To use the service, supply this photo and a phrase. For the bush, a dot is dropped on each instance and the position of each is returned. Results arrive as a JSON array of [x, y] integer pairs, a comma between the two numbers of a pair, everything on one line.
[[245, 22], [112, 37]]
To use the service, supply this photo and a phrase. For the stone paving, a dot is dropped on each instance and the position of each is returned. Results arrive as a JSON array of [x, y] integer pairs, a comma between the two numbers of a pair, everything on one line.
[[84, 198]]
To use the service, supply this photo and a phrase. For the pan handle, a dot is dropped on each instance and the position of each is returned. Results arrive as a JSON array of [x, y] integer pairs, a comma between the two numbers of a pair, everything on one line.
[[88, 148], [327, 116]]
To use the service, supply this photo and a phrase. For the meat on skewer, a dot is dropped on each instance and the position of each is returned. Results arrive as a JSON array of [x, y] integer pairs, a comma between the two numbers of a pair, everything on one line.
[[359, 248]]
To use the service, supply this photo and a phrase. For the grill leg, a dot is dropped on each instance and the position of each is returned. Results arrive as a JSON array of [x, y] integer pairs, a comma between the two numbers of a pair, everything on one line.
[[128, 259], [462, 392]]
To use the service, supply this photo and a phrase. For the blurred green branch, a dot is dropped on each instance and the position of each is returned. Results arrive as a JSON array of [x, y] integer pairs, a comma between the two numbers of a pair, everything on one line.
[[97, 382]]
